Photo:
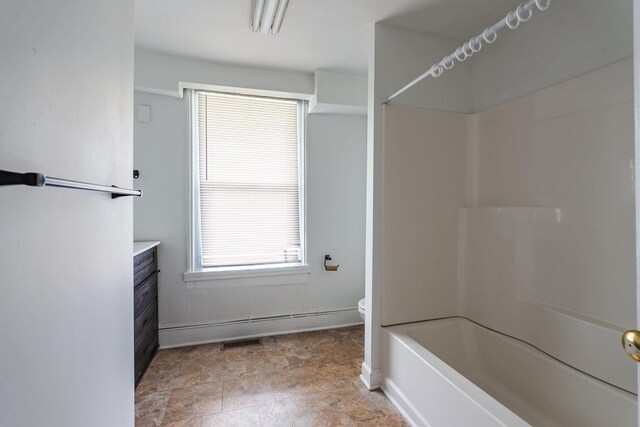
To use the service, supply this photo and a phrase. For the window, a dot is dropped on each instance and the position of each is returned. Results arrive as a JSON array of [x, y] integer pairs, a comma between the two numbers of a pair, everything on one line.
[[248, 201]]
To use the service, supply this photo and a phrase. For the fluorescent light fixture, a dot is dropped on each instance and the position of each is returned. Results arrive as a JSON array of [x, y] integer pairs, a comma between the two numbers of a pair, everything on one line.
[[277, 21], [256, 16], [267, 15]]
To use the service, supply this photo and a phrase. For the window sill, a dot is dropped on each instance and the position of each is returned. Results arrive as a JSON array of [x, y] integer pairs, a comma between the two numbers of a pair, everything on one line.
[[251, 276]]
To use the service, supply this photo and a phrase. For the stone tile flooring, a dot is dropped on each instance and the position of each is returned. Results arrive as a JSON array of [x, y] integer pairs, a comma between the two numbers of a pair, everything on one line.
[[306, 379]]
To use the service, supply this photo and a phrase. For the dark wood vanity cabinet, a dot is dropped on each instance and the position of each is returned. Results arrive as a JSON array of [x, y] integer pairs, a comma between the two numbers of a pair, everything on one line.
[[145, 309]]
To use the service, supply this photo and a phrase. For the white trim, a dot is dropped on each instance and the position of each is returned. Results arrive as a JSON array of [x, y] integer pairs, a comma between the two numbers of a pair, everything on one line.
[[375, 236], [163, 92], [193, 252], [247, 276], [372, 379], [246, 271], [302, 177], [316, 107], [243, 91], [185, 335], [636, 169], [402, 404]]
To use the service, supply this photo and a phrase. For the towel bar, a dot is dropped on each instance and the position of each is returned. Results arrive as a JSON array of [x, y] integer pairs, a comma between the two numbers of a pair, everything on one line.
[[34, 179]]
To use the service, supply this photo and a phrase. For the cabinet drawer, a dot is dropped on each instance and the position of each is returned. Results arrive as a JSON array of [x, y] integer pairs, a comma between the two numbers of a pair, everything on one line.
[[142, 260], [144, 294], [147, 320], [144, 352], [144, 265]]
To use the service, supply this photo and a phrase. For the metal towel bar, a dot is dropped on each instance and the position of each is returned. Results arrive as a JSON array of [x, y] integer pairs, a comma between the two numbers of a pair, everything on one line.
[[34, 179]]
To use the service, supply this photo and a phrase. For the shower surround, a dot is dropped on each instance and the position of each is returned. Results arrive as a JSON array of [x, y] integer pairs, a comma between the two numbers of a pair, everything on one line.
[[521, 219]]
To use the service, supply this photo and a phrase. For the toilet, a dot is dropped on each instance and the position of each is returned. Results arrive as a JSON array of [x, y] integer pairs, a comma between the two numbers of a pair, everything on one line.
[[361, 308]]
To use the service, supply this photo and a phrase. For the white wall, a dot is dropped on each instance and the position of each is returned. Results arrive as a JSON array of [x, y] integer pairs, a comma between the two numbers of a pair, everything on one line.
[[328, 91], [341, 93], [400, 56], [66, 255], [156, 72], [336, 165], [636, 145]]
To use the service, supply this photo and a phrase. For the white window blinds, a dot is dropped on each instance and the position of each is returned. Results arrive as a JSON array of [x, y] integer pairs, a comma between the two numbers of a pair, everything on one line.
[[249, 179]]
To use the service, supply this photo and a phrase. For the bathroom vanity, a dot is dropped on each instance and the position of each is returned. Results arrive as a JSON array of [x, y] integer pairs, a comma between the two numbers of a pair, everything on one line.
[[145, 305]]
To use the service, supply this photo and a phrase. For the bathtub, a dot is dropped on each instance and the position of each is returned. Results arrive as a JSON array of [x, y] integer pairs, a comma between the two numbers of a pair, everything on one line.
[[453, 372]]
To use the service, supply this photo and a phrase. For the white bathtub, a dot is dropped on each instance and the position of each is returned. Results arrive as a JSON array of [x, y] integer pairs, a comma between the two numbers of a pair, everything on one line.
[[453, 372]]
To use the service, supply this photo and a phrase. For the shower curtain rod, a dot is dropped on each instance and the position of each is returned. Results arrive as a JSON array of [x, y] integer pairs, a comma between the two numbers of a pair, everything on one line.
[[512, 20], [34, 179]]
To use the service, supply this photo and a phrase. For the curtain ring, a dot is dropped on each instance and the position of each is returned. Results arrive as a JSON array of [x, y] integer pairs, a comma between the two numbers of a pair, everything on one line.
[[459, 53], [519, 11], [436, 71], [543, 4], [512, 16], [489, 35], [448, 63], [466, 49], [478, 44]]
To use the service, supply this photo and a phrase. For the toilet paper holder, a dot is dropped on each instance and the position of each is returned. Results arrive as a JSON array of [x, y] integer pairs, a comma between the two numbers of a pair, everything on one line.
[[329, 267]]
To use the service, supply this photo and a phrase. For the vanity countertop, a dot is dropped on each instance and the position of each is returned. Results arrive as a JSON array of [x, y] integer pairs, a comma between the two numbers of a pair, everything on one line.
[[141, 246]]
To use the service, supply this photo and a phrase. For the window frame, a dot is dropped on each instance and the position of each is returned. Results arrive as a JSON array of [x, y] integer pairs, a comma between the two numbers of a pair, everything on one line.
[[251, 274]]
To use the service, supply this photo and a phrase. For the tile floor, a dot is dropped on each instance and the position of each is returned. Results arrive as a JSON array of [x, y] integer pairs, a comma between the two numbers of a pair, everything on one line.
[[306, 379]]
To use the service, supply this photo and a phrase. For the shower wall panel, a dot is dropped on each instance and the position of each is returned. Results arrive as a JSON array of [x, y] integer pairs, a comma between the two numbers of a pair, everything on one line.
[[424, 186], [549, 249], [520, 217]]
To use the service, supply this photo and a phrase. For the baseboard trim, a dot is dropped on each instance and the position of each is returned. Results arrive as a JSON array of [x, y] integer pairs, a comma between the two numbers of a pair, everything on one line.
[[205, 334], [399, 400], [372, 379]]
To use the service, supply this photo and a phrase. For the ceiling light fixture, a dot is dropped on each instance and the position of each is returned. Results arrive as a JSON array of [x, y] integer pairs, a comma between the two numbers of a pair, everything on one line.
[[267, 15]]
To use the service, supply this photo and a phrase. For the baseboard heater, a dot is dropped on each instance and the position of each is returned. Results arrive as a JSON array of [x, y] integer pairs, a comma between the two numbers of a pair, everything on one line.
[[259, 319]]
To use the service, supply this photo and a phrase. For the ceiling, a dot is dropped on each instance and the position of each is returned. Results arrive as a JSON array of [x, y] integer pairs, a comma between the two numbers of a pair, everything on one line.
[[330, 34]]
